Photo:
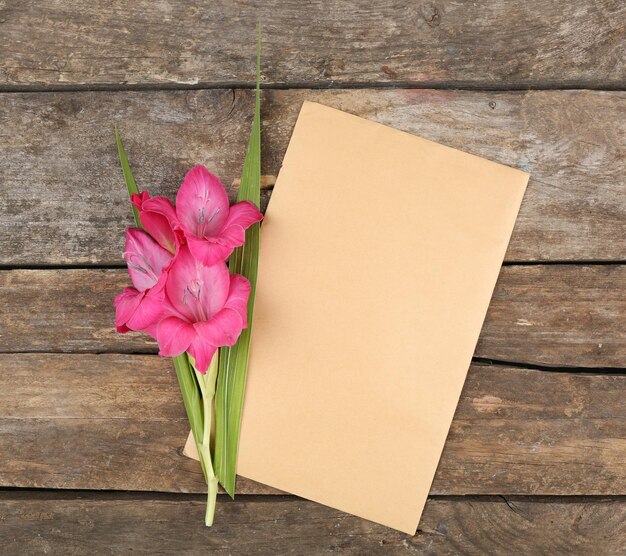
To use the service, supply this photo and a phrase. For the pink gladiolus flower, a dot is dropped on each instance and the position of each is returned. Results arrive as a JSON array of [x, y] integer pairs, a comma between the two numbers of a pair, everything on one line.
[[212, 228], [141, 307], [206, 308], [158, 217]]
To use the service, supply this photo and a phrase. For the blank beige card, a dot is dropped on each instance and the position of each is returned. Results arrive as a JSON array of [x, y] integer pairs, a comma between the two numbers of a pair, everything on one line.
[[379, 255]]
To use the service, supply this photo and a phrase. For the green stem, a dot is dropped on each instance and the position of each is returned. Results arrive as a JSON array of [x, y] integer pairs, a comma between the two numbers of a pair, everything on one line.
[[207, 387]]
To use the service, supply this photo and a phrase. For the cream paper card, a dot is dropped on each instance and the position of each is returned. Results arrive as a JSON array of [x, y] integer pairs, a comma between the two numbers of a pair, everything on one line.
[[379, 255]]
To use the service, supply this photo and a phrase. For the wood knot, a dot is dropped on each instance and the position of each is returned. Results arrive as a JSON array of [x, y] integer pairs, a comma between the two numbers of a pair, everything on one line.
[[431, 14], [391, 73], [328, 67]]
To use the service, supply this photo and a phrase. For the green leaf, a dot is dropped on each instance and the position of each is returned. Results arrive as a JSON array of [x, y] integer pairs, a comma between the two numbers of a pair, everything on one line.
[[231, 383], [131, 185], [192, 398]]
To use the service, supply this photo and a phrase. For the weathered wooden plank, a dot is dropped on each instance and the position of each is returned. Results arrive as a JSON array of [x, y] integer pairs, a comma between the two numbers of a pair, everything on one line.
[[570, 315], [63, 200], [556, 315], [117, 422], [62, 190], [57, 523], [499, 43]]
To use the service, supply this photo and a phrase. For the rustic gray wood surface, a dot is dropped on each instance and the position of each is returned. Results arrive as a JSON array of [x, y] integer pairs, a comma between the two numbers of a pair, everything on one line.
[[535, 85], [497, 43], [64, 198], [82, 425], [76, 524], [553, 315]]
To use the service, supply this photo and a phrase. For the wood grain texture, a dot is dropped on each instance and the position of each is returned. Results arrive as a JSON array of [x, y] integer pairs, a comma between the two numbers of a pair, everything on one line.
[[117, 422], [70, 524], [63, 200], [555, 315], [497, 43]]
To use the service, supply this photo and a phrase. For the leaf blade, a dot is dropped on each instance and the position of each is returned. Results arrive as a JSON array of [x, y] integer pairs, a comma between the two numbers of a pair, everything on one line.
[[234, 360], [192, 398], [131, 184]]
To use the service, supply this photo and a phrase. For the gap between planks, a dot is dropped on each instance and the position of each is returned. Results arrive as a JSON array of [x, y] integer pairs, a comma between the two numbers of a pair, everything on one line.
[[205, 86], [591, 371], [110, 266], [105, 494]]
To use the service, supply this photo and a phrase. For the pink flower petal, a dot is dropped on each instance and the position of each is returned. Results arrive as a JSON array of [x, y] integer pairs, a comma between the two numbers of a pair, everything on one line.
[[202, 353], [238, 295], [201, 203], [145, 258], [232, 236], [140, 311], [126, 304], [240, 217], [158, 217], [148, 312], [195, 291], [174, 336], [151, 330], [208, 251], [222, 330], [137, 199], [244, 214]]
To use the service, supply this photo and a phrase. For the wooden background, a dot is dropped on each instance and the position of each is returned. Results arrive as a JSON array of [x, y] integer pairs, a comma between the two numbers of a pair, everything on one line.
[[91, 422]]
